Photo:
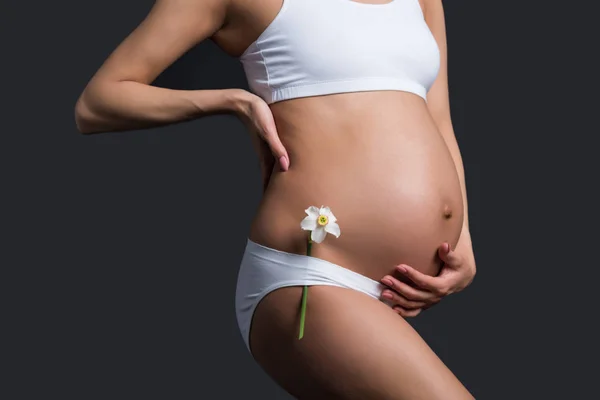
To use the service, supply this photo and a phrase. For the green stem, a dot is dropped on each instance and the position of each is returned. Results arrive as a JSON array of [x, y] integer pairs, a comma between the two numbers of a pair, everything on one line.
[[303, 312], [304, 294]]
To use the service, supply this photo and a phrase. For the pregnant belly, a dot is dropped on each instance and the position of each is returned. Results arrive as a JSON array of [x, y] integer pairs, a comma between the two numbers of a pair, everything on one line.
[[388, 178]]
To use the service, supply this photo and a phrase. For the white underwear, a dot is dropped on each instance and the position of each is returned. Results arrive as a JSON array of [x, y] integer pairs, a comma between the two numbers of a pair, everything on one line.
[[264, 270]]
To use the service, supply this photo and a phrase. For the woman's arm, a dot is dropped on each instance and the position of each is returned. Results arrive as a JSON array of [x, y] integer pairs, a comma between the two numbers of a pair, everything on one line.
[[119, 96], [459, 267], [438, 98]]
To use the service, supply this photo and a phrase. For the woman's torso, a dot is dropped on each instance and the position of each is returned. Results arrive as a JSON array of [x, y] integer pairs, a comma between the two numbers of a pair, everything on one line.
[[376, 158]]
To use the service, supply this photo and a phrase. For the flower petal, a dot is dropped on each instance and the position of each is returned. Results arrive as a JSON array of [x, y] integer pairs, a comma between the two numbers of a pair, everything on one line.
[[312, 211], [333, 228], [318, 234], [327, 211], [309, 223]]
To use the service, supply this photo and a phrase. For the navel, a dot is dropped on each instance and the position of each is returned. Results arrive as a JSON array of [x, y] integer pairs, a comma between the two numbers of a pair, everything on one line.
[[447, 212]]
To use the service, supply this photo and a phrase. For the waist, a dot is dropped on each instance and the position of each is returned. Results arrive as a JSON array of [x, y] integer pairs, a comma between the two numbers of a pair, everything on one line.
[[389, 179]]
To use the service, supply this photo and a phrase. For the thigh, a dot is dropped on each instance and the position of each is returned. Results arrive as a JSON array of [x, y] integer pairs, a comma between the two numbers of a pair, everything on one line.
[[354, 347]]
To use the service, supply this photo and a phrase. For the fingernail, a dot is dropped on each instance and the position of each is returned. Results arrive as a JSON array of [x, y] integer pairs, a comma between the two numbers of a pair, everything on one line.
[[284, 163], [387, 282], [402, 269], [387, 295]]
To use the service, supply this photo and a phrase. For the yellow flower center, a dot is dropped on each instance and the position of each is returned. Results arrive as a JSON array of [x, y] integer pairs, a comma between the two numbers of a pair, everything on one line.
[[322, 220]]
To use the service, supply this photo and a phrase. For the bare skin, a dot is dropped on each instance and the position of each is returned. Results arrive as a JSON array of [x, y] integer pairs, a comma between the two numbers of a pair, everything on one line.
[[387, 164], [358, 348]]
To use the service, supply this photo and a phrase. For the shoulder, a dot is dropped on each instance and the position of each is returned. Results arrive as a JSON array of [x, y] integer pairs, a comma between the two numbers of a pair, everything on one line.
[[433, 11], [431, 6]]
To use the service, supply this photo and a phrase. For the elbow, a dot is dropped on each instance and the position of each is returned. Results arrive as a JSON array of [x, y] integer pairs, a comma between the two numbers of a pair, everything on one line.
[[88, 118], [83, 117], [81, 122]]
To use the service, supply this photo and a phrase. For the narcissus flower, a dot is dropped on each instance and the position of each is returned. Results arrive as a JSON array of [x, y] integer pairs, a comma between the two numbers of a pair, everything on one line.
[[320, 221]]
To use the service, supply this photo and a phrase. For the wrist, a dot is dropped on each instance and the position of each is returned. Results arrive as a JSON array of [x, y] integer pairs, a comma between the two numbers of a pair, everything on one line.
[[465, 223], [465, 233], [238, 101], [465, 228]]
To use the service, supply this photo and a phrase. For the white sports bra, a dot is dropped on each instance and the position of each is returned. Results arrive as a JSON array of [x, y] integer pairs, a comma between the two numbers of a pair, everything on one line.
[[318, 47]]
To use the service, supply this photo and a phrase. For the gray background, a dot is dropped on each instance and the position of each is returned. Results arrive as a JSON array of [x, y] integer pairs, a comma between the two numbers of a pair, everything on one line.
[[121, 250]]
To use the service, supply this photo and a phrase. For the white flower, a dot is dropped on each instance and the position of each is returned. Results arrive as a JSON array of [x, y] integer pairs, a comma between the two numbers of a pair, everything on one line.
[[320, 221]]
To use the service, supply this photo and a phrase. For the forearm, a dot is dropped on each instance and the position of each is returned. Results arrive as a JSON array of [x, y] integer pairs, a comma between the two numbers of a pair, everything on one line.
[[447, 132], [129, 105]]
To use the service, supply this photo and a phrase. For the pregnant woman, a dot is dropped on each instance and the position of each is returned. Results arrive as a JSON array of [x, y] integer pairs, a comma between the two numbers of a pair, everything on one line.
[[349, 113]]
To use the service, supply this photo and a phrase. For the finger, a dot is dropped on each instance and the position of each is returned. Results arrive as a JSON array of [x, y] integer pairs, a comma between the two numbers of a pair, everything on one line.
[[448, 255], [265, 158], [396, 299], [407, 291], [433, 284], [406, 313], [277, 148], [433, 303]]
